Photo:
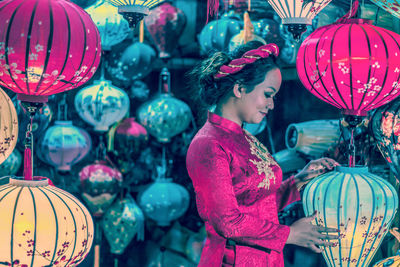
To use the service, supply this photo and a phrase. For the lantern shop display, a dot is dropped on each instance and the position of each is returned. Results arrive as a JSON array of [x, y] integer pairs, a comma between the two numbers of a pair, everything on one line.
[[58, 49]]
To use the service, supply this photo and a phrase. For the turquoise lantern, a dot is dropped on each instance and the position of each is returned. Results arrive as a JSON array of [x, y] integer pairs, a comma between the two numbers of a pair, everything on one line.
[[358, 203]]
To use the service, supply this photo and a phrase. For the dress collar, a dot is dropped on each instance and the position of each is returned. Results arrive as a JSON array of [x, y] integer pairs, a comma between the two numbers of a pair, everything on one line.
[[223, 122]]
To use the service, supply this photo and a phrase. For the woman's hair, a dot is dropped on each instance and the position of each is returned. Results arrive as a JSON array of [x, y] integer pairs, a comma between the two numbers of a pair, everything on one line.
[[209, 90]]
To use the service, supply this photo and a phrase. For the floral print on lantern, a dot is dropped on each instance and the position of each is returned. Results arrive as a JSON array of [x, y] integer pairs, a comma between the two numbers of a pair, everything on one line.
[[8, 126], [391, 6]]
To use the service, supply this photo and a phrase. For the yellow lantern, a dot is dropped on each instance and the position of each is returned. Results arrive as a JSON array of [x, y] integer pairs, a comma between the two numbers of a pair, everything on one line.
[[9, 126], [42, 225]]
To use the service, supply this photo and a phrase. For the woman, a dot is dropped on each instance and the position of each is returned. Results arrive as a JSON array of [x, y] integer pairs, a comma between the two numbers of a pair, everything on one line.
[[238, 184]]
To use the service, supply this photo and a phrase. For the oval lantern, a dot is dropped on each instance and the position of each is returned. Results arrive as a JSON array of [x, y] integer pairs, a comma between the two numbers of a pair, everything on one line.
[[165, 24], [391, 6], [354, 65], [64, 145], [100, 184], [9, 126], [42, 225], [360, 204], [164, 201], [385, 127], [101, 104], [113, 28], [58, 49], [11, 165], [121, 222]]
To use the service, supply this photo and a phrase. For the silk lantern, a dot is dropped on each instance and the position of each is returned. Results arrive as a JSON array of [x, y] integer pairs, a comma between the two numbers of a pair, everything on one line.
[[42, 225], [100, 184], [385, 127], [121, 222], [297, 14], [360, 204], [391, 6], [11, 165], [9, 126], [164, 201], [352, 65], [165, 24], [312, 138], [134, 10], [216, 35], [56, 50], [112, 27], [164, 116], [84, 3], [64, 145], [101, 104]]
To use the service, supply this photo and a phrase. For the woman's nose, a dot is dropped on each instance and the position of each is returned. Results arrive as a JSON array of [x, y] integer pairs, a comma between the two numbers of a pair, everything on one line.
[[270, 103]]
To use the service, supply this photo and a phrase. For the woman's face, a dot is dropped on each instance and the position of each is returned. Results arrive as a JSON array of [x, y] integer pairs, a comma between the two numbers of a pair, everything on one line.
[[254, 106]]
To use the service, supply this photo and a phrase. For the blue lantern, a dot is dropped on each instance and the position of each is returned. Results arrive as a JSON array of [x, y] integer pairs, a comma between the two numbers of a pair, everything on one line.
[[64, 145], [11, 165], [101, 104], [113, 28], [360, 204]]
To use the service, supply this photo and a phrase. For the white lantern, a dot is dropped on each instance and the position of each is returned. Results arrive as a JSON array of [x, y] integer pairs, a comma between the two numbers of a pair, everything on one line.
[[42, 225]]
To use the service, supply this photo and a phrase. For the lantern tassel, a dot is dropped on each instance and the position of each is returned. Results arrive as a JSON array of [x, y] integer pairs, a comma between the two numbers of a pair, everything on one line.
[[212, 8], [352, 13], [28, 159]]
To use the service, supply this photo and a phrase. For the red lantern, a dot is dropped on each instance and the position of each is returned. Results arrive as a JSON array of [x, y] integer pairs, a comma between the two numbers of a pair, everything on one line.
[[46, 47], [351, 65]]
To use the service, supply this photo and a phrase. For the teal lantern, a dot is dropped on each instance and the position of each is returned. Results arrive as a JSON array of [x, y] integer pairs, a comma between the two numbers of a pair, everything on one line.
[[121, 222], [164, 116], [113, 28], [217, 34], [360, 204], [11, 165]]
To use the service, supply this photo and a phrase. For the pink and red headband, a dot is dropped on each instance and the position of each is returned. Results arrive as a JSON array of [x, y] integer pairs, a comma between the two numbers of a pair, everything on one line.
[[249, 57]]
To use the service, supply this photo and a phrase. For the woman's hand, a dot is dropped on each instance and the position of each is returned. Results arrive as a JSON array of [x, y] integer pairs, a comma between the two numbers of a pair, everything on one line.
[[304, 234], [313, 169]]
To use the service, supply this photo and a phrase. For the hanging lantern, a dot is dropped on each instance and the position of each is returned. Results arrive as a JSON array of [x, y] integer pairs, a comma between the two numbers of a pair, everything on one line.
[[130, 63], [42, 225], [360, 204], [352, 65], [84, 3], [9, 126], [391, 6], [100, 185], [268, 29], [139, 90], [101, 104], [312, 138], [297, 14], [164, 116], [112, 27], [121, 222], [385, 126], [134, 10], [64, 145], [58, 49], [11, 165], [164, 201], [289, 160], [165, 24], [216, 35]]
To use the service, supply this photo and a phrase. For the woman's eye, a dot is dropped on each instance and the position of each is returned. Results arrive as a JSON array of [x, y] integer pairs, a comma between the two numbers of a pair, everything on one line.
[[267, 95]]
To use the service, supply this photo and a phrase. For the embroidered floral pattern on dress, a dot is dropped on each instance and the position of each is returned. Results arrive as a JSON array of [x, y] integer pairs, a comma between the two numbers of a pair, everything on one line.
[[265, 160]]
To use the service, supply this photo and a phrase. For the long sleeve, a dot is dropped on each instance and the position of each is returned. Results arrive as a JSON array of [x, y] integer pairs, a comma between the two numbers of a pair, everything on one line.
[[287, 193], [209, 168]]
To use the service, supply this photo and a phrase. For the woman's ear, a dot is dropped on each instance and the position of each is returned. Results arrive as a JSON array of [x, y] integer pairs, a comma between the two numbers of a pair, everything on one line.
[[238, 90]]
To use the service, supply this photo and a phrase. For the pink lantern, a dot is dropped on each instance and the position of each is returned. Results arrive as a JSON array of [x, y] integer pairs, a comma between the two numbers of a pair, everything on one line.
[[351, 65], [46, 47]]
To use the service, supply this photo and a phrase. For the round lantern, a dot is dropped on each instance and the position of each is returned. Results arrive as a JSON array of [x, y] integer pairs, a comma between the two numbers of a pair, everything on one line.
[[11, 165], [164, 201], [360, 204], [9, 126], [216, 35], [130, 63], [101, 104], [385, 126], [112, 26], [389, 262], [354, 65], [64, 145], [84, 3], [58, 49], [312, 138], [121, 222], [42, 225], [165, 24], [100, 185], [391, 6]]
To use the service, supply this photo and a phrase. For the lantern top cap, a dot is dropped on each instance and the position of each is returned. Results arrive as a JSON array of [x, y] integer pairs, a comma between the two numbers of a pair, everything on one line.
[[347, 169], [38, 182], [356, 21]]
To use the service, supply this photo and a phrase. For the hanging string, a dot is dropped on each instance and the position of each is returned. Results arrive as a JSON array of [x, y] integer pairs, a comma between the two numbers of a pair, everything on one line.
[[351, 13], [212, 8], [62, 108], [249, 5], [352, 150]]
